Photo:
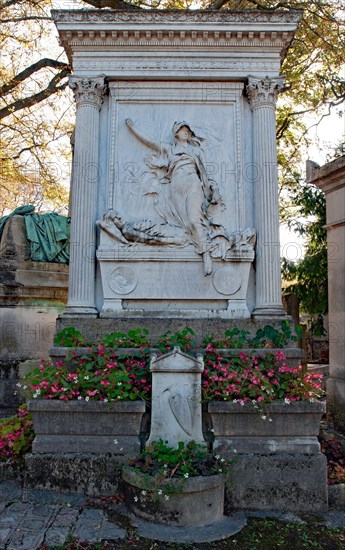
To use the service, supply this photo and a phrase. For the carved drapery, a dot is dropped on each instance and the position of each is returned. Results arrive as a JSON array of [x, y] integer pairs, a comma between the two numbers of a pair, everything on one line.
[[262, 95], [89, 93]]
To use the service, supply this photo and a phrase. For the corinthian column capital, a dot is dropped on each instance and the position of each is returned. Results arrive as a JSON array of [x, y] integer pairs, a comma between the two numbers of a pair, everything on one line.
[[263, 91], [88, 91]]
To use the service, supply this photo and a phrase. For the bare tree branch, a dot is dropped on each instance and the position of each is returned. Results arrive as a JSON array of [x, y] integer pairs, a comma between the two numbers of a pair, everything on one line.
[[42, 63], [113, 4], [52, 88], [25, 18]]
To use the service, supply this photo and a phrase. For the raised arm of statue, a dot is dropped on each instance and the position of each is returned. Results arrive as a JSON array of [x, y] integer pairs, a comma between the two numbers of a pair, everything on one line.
[[144, 139]]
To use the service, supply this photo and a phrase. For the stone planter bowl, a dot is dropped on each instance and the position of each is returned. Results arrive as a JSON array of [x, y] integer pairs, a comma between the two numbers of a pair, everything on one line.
[[86, 426], [191, 502]]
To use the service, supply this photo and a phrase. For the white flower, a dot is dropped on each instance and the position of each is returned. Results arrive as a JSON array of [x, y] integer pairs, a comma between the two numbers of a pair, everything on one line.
[[118, 397], [38, 391], [270, 420], [186, 475], [18, 385], [75, 380], [166, 497], [136, 499], [212, 430], [264, 417], [235, 451], [24, 387], [287, 401], [222, 459], [220, 470], [143, 493], [311, 400], [121, 448], [86, 377], [87, 398], [217, 457], [79, 397], [160, 492], [234, 400], [115, 441], [15, 393], [119, 383], [105, 400]]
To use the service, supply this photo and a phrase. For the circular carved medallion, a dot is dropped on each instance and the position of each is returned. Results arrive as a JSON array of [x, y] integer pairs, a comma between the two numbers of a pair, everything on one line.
[[227, 279], [123, 280]]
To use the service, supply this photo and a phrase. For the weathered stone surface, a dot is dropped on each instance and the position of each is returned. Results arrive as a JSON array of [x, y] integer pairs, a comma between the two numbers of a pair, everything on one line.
[[294, 427], [179, 502], [336, 496], [282, 482], [176, 398], [89, 474], [86, 426]]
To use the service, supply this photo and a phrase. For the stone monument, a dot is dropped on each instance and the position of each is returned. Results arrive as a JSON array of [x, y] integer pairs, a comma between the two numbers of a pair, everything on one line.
[[330, 178], [175, 194]]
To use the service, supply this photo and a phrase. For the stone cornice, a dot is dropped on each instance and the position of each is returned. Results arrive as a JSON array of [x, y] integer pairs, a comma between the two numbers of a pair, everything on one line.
[[176, 16], [162, 30], [330, 176]]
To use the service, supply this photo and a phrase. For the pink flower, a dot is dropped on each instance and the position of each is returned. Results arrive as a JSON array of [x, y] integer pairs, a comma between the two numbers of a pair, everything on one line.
[[92, 393]]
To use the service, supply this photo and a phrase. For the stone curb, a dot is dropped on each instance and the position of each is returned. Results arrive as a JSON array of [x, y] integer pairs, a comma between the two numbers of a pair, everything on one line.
[[218, 530]]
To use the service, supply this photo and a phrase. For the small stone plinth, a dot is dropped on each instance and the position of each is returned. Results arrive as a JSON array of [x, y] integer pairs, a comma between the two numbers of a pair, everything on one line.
[[177, 502], [293, 427], [86, 426]]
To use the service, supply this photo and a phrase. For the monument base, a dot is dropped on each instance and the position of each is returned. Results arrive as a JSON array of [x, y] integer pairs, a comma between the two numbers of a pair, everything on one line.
[[140, 281], [93, 329]]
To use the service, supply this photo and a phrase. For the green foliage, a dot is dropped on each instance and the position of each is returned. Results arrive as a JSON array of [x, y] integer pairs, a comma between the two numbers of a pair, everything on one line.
[[69, 337], [183, 339], [266, 337], [136, 338], [16, 436], [257, 380], [97, 375], [308, 277], [188, 460]]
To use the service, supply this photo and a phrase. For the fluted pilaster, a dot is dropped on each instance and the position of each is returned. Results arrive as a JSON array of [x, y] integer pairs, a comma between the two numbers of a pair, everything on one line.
[[89, 94], [262, 95]]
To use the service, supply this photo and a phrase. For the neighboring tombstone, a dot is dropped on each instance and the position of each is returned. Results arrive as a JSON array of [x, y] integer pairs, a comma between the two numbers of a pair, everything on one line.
[[330, 178], [176, 398], [175, 160], [32, 295]]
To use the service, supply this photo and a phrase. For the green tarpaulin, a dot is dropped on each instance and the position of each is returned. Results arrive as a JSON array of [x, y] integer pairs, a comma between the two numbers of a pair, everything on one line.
[[47, 234]]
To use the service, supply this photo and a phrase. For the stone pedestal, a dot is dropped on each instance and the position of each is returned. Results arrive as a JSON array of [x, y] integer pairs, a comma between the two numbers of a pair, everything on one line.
[[176, 398], [331, 179]]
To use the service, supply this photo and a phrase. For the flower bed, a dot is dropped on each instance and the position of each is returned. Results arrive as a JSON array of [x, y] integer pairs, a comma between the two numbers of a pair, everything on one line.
[[257, 379], [16, 436]]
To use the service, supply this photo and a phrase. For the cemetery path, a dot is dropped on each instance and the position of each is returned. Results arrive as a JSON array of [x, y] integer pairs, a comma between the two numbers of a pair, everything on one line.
[[33, 519]]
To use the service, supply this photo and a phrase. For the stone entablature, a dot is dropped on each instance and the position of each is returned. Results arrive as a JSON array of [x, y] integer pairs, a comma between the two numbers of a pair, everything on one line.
[[183, 44]]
